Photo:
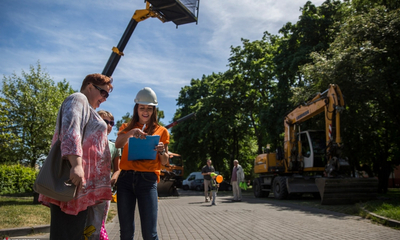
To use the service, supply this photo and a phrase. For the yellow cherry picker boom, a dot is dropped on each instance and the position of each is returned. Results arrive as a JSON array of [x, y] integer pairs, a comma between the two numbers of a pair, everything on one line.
[[179, 12]]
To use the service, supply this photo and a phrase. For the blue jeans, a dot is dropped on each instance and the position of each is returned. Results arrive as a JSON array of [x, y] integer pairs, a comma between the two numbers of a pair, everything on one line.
[[214, 196], [140, 186]]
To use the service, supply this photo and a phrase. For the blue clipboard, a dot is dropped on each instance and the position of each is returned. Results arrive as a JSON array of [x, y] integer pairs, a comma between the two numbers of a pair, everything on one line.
[[143, 149]]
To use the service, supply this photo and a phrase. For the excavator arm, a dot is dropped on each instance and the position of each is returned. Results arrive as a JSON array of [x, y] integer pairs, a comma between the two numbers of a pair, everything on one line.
[[336, 186], [330, 102], [312, 162]]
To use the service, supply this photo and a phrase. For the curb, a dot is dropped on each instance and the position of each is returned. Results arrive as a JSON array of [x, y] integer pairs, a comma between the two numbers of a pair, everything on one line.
[[385, 220], [16, 232], [24, 231]]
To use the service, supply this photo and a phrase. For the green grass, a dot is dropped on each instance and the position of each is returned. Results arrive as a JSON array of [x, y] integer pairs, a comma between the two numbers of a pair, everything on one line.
[[387, 205], [17, 211], [21, 212]]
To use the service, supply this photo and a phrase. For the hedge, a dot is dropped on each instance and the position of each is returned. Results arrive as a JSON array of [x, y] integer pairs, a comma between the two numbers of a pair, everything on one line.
[[16, 179]]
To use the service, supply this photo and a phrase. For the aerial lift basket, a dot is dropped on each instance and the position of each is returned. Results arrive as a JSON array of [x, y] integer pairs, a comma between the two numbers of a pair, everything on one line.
[[178, 11]]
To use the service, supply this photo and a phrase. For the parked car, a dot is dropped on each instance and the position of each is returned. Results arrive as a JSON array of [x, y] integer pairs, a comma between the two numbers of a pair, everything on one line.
[[197, 184], [225, 186]]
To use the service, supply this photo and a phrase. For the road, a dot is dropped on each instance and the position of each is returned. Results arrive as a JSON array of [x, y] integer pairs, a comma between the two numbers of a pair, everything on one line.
[[188, 217]]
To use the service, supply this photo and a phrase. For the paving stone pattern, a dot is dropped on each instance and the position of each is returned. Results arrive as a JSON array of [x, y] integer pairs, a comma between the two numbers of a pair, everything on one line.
[[188, 217]]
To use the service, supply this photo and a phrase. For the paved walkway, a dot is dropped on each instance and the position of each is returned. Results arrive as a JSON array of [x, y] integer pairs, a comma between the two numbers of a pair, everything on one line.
[[189, 217]]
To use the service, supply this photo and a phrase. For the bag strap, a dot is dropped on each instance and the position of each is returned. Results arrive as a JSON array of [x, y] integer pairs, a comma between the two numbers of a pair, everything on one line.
[[60, 120]]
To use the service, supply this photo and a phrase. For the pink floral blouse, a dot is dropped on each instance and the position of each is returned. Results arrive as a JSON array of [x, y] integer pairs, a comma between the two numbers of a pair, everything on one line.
[[96, 158]]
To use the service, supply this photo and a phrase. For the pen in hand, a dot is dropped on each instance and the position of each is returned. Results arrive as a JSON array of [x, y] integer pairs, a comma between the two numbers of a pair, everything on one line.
[[137, 134], [144, 135]]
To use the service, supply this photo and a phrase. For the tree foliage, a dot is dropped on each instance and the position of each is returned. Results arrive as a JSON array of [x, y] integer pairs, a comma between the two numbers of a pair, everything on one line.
[[15, 178], [364, 60], [227, 107], [241, 110], [29, 109], [354, 44], [252, 71]]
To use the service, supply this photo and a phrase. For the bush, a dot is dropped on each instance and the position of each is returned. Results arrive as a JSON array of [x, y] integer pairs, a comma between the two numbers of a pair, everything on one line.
[[16, 179]]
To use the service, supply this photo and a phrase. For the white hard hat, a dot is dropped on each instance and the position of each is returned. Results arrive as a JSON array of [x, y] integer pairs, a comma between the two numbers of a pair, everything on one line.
[[146, 96]]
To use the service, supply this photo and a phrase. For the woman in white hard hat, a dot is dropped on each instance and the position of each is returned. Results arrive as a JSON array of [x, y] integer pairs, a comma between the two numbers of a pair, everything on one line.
[[138, 179]]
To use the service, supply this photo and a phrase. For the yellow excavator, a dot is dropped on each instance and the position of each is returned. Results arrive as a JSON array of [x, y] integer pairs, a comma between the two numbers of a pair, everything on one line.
[[311, 161], [171, 176]]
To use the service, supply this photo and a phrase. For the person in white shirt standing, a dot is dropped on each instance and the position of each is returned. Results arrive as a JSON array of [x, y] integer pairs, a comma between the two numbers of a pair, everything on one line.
[[237, 178]]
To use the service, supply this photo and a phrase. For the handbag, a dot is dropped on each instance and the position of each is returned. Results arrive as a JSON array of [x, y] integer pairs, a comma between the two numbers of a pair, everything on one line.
[[53, 178], [243, 185]]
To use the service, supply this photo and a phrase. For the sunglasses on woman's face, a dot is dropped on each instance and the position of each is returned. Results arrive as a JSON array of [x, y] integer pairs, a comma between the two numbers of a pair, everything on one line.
[[103, 92], [109, 122]]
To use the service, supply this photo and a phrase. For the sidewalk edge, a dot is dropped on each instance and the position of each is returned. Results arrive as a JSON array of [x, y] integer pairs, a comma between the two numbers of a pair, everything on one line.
[[16, 232], [388, 221]]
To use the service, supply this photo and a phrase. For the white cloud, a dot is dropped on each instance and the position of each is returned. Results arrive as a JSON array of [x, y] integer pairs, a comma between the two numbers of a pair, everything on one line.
[[74, 38]]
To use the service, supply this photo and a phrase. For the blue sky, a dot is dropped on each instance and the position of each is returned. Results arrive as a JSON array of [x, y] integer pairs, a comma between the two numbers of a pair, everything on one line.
[[74, 38]]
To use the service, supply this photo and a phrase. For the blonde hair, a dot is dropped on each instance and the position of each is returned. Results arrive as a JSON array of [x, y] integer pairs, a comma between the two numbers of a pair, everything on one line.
[[104, 113]]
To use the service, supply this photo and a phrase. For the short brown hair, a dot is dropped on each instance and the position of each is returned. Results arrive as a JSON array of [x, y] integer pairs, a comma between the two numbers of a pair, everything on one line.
[[104, 113], [97, 79]]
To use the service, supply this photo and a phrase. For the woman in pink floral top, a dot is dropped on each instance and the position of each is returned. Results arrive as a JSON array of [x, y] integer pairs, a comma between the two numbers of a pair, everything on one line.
[[84, 144]]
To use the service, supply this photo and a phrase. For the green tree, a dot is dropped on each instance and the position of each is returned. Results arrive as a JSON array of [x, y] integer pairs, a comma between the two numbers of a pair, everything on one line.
[[200, 138], [364, 6], [315, 30], [253, 77], [125, 119], [228, 108], [29, 109], [363, 60], [8, 139]]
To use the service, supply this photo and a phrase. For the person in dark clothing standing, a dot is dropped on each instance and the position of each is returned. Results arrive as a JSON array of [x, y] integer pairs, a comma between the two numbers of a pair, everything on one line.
[[206, 172]]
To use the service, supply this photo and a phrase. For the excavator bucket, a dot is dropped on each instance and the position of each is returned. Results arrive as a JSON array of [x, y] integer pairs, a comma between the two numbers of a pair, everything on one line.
[[301, 185], [167, 188], [335, 191]]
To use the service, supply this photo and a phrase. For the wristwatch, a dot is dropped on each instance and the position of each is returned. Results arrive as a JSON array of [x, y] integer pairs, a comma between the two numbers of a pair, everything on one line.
[[163, 152]]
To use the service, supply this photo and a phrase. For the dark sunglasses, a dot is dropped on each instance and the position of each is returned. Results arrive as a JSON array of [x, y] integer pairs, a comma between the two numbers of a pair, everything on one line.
[[109, 122], [103, 92]]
